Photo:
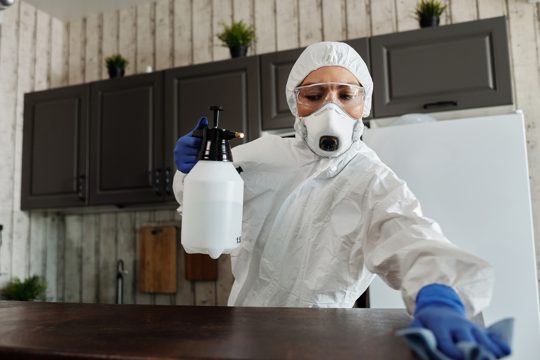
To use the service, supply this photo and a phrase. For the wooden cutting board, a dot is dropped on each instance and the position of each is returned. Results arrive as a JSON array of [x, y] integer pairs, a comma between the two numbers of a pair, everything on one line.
[[157, 259]]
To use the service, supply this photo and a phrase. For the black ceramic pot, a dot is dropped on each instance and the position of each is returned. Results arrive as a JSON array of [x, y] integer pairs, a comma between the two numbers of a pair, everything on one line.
[[115, 72], [238, 51], [429, 21]]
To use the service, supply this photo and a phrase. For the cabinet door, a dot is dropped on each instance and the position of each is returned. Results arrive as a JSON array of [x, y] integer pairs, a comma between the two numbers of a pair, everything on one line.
[[191, 90], [444, 68], [55, 148], [275, 69], [126, 141]]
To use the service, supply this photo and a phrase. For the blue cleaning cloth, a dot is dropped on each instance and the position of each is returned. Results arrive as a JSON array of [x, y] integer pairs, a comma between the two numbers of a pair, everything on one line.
[[423, 342]]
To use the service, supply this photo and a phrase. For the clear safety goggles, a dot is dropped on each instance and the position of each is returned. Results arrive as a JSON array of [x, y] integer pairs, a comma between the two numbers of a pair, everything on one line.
[[312, 97]]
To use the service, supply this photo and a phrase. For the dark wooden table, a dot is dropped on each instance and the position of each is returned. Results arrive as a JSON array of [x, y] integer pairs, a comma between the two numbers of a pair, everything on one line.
[[88, 331]]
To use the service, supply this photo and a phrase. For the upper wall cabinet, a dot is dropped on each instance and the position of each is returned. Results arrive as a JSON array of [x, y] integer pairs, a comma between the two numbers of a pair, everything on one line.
[[126, 142], [191, 90], [55, 144], [275, 68], [439, 69]]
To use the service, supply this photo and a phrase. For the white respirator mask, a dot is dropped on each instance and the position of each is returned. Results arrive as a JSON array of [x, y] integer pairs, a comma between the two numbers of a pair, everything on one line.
[[330, 131]]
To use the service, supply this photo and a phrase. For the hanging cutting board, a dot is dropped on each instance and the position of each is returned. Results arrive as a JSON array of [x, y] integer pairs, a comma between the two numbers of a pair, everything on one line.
[[157, 259]]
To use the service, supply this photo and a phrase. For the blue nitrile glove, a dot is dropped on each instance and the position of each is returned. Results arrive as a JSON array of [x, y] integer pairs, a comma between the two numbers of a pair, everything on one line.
[[439, 309], [187, 148]]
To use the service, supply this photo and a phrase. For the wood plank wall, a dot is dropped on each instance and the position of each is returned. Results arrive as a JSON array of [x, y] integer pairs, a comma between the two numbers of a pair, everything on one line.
[[78, 253]]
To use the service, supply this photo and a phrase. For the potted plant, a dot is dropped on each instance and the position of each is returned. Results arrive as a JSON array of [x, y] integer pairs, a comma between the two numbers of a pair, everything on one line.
[[428, 12], [32, 288], [238, 37], [116, 65]]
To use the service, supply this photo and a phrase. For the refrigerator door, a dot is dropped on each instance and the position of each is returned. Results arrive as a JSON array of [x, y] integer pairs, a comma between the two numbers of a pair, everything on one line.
[[471, 176]]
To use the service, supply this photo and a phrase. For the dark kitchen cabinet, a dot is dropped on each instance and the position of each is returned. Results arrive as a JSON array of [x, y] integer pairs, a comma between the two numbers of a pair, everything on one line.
[[126, 140], [191, 90], [439, 69], [275, 68], [54, 159]]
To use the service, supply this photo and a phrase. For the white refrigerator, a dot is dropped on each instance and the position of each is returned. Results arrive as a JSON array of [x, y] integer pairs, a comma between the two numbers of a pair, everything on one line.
[[471, 176]]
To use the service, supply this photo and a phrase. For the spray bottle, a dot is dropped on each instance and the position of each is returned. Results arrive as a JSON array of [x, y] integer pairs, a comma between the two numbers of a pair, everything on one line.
[[213, 195]]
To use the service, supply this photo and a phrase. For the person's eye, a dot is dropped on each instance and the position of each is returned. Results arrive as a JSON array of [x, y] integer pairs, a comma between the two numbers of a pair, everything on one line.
[[346, 96], [313, 97]]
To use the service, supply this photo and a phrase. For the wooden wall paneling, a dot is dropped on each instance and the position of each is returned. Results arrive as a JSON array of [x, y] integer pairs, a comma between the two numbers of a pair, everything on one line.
[[358, 18], [205, 293], [60, 260], [221, 15], [491, 8], [163, 32], [265, 26], [92, 53], [309, 21], [463, 10], [59, 53], [8, 102], [141, 218], [25, 78], [109, 42], [405, 15], [224, 281], [43, 31], [334, 20], [36, 254], [182, 44], [90, 269], [76, 51], [286, 24], [125, 251], [383, 17], [73, 259], [53, 231], [127, 37], [107, 258], [202, 31], [145, 37], [165, 217], [243, 10]]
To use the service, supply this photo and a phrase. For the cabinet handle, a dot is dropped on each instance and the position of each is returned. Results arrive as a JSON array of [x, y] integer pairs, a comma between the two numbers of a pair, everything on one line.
[[167, 180], [440, 104], [81, 186], [157, 182]]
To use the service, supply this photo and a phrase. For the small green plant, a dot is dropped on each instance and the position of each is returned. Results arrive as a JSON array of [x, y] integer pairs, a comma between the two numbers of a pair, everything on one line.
[[116, 61], [429, 8], [32, 288], [237, 34]]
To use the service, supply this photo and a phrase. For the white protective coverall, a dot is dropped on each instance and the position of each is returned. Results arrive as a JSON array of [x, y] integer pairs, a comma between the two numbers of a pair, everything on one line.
[[316, 230]]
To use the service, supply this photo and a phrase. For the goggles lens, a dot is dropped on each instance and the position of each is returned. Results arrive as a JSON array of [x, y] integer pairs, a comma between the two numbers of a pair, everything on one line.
[[310, 98]]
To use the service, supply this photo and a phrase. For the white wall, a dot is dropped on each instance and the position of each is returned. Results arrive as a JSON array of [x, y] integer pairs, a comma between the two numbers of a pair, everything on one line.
[[37, 52]]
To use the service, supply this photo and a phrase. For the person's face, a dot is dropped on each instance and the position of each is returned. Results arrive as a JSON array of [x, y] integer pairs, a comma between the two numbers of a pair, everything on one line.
[[349, 99]]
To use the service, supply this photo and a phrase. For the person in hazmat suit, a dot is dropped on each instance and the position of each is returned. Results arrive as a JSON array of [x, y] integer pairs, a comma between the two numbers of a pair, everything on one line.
[[323, 214]]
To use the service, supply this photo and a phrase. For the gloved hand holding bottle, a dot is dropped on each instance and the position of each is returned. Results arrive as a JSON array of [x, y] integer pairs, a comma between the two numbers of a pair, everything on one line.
[[187, 148], [440, 310]]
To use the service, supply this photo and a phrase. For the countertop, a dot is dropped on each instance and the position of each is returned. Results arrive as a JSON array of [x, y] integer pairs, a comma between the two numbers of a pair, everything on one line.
[[92, 331]]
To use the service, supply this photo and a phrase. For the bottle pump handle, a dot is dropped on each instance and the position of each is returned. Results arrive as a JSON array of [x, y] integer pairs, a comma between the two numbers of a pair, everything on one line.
[[216, 109]]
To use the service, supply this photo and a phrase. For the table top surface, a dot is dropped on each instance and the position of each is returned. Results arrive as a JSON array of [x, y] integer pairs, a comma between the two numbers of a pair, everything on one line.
[[50, 330]]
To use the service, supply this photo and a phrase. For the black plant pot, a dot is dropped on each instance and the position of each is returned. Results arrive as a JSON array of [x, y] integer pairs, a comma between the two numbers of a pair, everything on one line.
[[238, 51], [115, 72], [429, 21]]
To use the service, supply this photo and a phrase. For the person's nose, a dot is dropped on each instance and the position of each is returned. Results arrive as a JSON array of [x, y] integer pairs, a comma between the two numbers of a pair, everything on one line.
[[331, 96]]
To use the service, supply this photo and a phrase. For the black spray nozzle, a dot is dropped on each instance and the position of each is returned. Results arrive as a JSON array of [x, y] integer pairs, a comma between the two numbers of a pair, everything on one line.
[[216, 109], [215, 141]]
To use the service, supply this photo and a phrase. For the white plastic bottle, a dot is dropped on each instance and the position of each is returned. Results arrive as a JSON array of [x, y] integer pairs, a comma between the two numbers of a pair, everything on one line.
[[213, 196]]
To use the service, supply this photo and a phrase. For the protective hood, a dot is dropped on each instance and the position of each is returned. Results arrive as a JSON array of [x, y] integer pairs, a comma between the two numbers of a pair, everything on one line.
[[329, 53]]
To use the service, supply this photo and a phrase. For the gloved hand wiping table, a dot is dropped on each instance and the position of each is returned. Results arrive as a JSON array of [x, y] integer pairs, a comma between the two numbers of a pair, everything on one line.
[[441, 331]]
